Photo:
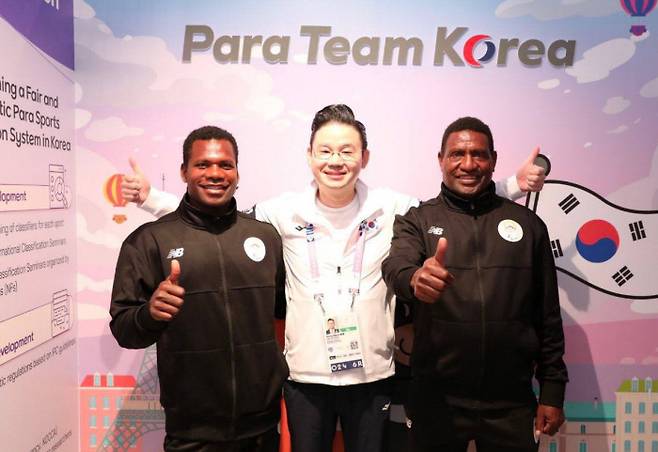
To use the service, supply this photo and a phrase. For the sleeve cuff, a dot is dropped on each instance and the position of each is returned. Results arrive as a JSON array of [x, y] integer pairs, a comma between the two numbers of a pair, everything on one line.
[[404, 284], [159, 203], [552, 393], [509, 188], [150, 204], [148, 323]]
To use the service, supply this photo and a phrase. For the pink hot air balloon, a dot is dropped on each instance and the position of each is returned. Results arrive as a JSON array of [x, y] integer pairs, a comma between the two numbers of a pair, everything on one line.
[[638, 8]]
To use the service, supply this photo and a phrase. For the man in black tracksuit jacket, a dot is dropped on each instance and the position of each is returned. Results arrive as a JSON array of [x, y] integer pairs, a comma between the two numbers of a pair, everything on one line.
[[489, 316], [202, 283]]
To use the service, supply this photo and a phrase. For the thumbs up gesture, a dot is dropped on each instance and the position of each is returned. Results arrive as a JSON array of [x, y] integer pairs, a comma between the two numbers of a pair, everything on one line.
[[530, 177], [135, 187], [167, 299], [430, 280]]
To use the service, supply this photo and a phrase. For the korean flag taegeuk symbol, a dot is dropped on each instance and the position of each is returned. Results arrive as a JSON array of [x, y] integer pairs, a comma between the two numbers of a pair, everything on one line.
[[597, 241], [610, 248]]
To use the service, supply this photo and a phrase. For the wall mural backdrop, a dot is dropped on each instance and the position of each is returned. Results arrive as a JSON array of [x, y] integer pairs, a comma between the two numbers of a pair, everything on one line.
[[578, 78]]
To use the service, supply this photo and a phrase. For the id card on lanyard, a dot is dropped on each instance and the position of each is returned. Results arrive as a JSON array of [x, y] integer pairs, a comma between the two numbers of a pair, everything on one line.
[[343, 342], [341, 330]]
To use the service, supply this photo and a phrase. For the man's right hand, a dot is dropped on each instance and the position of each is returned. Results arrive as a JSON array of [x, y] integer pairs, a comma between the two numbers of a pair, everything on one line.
[[167, 299], [430, 280], [135, 187]]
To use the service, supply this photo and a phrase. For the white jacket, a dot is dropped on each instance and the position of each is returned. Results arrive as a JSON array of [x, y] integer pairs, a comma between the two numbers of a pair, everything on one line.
[[305, 325]]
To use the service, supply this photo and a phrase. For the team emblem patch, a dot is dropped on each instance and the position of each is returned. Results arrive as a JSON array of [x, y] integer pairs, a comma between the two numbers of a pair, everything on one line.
[[510, 230], [175, 253], [254, 248]]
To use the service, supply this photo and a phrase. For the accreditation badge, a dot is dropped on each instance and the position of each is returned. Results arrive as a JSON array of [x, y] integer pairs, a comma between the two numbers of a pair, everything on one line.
[[343, 342]]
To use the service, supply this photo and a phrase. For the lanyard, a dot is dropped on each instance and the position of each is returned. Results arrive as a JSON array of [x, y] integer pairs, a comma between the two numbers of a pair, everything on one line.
[[357, 265]]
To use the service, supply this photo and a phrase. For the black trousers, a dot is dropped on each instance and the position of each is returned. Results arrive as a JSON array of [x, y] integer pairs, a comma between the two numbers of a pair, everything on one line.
[[493, 430], [313, 410], [265, 442]]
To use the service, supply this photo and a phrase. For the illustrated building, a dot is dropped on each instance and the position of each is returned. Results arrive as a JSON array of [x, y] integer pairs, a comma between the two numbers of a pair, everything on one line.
[[141, 411], [101, 399], [637, 415]]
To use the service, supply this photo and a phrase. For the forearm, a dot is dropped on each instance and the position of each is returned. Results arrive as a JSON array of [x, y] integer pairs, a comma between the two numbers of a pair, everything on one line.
[[132, 325], [398, 273], [160, 203], [134, 283], [551, 369], [405, 257], [551, 393]]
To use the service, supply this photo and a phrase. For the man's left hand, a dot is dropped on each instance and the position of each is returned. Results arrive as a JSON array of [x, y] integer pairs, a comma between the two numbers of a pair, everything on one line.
[[548, 420], [135, 187], [530, 177]]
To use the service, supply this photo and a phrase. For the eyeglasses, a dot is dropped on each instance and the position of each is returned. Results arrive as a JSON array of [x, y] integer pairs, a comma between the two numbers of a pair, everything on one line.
[[347, 155]]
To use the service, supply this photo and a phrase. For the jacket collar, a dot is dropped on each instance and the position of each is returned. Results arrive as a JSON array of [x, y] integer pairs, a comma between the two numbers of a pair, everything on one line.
[[478, 204], [202, 220]]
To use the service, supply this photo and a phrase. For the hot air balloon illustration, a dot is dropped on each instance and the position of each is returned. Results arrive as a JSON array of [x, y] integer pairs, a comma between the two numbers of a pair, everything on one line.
[[638, 8], [112, 192]]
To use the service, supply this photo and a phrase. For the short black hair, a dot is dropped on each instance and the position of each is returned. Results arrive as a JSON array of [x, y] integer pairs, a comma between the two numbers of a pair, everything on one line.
[[207, 133], [338, 113], [468, 123]]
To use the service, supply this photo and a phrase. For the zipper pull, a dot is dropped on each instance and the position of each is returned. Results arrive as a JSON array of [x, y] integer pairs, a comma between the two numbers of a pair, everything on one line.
[[339, 278]]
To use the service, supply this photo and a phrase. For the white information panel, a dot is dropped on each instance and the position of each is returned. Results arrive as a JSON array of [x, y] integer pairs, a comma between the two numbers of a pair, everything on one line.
[[38, 358]]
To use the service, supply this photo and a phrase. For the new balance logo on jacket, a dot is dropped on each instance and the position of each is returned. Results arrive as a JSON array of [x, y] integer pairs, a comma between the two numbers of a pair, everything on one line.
[[435, 230]]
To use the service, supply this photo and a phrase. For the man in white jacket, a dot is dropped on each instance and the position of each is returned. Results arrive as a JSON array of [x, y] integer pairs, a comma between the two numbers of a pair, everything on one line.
[[335, 236]]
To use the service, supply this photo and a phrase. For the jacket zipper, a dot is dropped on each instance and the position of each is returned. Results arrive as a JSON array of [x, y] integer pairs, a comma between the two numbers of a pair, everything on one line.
[[230, 334], [482, 304]]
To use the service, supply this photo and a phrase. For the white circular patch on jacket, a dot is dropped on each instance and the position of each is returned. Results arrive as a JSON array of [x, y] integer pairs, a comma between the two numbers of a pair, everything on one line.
[[510, 230], [255, 249]]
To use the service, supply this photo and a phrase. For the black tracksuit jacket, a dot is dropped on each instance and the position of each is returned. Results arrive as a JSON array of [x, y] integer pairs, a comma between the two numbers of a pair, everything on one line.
[[499, 322], [219, 366]]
